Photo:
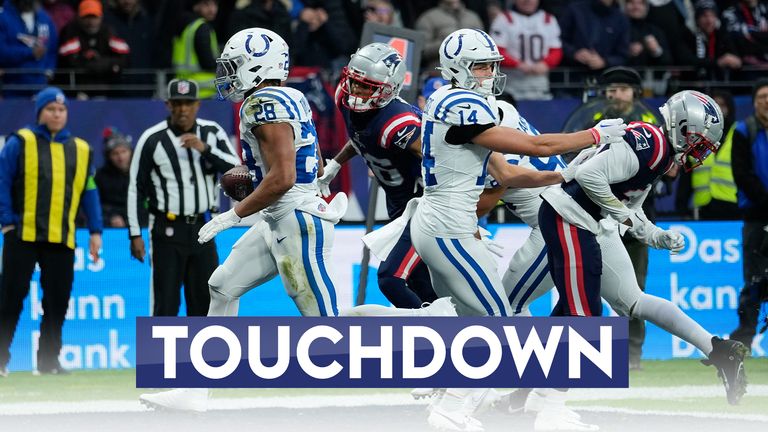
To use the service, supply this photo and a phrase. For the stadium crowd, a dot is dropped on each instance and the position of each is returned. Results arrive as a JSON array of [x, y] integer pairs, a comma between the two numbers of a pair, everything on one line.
[[110, 42]]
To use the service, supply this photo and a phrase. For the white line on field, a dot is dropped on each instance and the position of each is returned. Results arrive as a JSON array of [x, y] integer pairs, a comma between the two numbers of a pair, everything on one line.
[[385, 399], [696, 414]]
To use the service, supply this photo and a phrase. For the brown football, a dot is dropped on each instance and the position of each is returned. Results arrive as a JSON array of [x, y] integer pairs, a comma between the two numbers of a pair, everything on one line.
[[237, 183]]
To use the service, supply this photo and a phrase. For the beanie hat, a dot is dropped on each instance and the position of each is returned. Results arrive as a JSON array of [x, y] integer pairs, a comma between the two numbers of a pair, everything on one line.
[[46, 96]]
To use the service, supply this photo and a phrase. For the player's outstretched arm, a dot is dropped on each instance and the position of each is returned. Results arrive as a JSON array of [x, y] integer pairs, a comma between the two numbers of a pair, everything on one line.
[[508, 175], [507, 140]]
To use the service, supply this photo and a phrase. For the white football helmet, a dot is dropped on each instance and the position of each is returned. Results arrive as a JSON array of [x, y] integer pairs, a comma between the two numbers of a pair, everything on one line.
[[465, 48], [694, 125], [250, 57], [377, 68]]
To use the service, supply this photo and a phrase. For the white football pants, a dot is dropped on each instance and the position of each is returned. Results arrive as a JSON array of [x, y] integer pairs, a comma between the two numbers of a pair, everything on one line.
[[297, 247], [463, 269]]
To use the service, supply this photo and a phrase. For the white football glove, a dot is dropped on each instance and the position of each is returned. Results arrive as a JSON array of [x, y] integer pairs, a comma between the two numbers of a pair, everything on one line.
[[329, 172], [641, 229], [608, 130], [492, 246], [569, 173], [668, 239], [217, 225]]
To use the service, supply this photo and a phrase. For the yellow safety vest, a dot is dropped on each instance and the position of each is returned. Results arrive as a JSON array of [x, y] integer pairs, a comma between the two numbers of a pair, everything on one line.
[[52, 178], [714, 178], [186, 63]]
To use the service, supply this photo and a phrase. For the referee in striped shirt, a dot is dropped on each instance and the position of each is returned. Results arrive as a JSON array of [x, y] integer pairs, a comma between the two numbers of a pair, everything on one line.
[[173, 174]]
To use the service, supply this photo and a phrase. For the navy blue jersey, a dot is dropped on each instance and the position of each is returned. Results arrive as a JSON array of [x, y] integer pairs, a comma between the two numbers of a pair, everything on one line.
[[383, 137], [655, 157]]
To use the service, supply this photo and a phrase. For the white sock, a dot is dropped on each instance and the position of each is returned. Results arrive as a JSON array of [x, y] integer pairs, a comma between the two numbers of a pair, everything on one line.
[[666, 315]]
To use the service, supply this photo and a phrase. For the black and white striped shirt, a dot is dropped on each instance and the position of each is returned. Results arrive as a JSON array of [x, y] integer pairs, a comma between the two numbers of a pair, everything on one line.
[[173, 179]]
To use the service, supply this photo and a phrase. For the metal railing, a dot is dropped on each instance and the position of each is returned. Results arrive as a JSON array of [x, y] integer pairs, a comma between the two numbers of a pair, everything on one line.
[[143, 82]]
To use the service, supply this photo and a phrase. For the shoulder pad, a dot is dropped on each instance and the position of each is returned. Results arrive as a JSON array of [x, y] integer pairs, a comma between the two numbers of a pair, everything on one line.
[[275, 105], [648, 143], [462, 107], [402, 127]]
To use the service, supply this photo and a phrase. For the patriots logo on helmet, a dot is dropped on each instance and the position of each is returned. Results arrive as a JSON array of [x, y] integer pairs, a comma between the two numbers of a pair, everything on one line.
[[391, 61], [708, 107]]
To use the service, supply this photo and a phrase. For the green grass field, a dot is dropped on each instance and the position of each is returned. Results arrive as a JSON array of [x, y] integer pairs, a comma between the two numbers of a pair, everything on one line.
[[120, 385]]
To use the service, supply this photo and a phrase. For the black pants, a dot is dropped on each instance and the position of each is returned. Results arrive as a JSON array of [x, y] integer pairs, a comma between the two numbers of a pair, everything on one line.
[[638, 253], [754, 265], [177, 258], [56, 276]]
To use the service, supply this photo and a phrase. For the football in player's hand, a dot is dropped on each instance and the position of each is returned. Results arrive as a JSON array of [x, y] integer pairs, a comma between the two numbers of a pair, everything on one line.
[[237, 183]]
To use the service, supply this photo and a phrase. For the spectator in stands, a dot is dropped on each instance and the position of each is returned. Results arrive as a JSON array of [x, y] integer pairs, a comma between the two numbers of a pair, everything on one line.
[[712, 45], [595, 34], [112, 180], [647, 43], [324, 36], [28, 41], [440, 21], [747, 23], [676, 20], [130, 21], [555, 7], [60, 11], [268, 14], [382, 12], [196, 48], [37, 215], [750, 171], [714, 190], [529, 40], [89, 45]]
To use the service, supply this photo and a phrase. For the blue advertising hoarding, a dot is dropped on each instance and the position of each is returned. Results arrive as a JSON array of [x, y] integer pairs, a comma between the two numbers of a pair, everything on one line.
[[703, 280]]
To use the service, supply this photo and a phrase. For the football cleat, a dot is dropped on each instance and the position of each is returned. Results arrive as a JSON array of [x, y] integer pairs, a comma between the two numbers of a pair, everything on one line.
[[3, 371], [540, 400], [193, 399], [441, 419], [481, 400], [514, 402], [421, 393], [440, 307], [554, 419], [728, 357]]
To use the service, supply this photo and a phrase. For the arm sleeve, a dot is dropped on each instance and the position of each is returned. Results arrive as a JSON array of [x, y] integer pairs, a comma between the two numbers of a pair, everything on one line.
[[205, 57], [744, 173], [554, 57], [92, 206], [9, 161], [222, 155], [613, 164], [141, 167], [465, 134]]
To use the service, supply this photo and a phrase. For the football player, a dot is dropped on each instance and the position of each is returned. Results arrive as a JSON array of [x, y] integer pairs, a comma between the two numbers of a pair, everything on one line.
[[582, 221], [295, 236], [385, 130], [460, 131]]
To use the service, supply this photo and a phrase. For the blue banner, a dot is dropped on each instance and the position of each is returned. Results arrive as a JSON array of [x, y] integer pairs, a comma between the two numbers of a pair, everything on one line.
[[704, 280], [370, 352]]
